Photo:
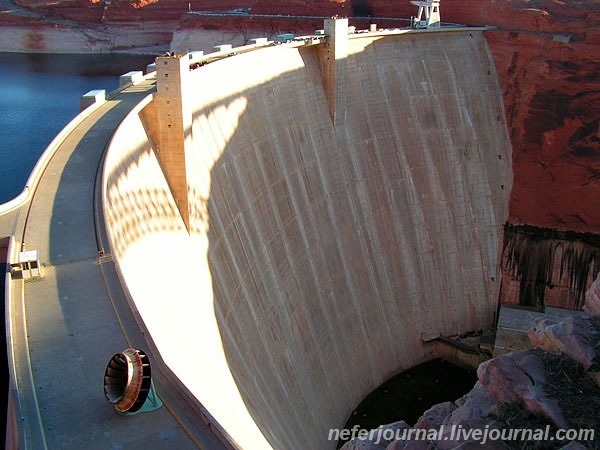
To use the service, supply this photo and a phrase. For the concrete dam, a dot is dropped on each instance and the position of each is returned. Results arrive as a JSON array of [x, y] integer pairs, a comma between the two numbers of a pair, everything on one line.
[[297, 222]]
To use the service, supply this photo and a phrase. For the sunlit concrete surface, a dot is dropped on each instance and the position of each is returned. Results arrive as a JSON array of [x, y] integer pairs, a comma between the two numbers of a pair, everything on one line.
[[333, 226]]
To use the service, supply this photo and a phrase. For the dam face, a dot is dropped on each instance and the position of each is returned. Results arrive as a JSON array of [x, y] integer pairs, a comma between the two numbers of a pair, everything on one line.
[[330, 223]]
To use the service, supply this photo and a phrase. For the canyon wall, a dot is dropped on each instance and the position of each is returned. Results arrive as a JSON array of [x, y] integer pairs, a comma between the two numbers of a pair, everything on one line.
[[548, 62]]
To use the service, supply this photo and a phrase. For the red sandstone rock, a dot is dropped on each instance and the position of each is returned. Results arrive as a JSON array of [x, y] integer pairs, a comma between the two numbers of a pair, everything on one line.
[[169, 10], [572, 337], [552, 110], [519, 377]]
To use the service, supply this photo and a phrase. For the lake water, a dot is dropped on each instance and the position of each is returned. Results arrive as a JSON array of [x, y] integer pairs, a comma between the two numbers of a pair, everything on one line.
[[39, 95]]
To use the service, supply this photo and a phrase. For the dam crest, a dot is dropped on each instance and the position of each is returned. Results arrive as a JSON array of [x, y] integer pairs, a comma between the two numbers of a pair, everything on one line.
[[294, 223]]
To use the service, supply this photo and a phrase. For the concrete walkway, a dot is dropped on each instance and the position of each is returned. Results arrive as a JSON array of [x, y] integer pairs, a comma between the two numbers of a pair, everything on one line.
[[77, 315]]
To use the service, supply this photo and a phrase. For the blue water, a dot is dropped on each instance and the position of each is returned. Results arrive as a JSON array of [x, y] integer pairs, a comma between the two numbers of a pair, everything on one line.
[[39, 95]]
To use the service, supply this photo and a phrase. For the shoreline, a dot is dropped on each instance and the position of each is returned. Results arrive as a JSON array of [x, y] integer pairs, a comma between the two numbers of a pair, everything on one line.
[[151, 38]]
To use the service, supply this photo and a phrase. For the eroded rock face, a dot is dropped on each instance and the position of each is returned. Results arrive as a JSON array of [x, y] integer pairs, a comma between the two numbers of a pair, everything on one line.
[[519, 377], [552, 112], [534, 379], [572, 337]]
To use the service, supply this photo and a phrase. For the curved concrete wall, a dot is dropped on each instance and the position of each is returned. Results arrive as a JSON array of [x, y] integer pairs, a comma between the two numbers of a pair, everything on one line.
[[319, 255]]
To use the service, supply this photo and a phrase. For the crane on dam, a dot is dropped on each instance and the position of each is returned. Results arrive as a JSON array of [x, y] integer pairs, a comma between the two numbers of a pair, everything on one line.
[[428, 8]]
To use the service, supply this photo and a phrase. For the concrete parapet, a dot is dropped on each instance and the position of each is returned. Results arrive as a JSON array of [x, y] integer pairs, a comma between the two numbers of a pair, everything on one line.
[[259, 41], [222, 48], [91, 97], [129, 78]]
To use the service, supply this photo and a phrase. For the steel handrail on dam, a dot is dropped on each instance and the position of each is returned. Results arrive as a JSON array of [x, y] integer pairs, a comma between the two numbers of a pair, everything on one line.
[[22, 406]]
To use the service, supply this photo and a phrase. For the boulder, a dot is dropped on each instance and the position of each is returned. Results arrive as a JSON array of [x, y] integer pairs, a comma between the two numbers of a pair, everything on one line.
[[377, 439], [476, 404], [435, 416], [519, 377], [572, 337]]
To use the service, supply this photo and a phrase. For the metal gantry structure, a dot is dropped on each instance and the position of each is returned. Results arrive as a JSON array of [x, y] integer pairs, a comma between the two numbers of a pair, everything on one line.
[[428, 15]]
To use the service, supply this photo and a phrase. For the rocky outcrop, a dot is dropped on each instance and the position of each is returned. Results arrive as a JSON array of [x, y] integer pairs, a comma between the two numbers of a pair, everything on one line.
[[572, 337], [169, 10], [554, 386], [519, 377], [510, 386], [552, 110]]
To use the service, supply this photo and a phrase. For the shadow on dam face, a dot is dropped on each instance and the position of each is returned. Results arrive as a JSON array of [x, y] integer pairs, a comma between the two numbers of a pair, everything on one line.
[[409, 394], [321, 254]]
